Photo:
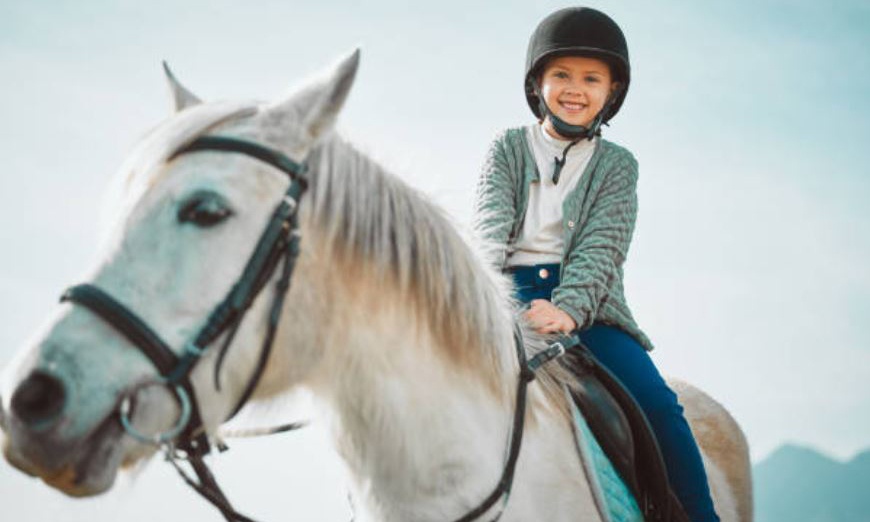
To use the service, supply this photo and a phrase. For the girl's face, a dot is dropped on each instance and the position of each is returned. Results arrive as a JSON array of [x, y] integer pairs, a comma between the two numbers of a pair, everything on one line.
[[575, 89]]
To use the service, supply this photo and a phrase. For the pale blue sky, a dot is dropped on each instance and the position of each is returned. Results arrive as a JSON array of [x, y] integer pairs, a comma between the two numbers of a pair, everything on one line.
[[749, 119]]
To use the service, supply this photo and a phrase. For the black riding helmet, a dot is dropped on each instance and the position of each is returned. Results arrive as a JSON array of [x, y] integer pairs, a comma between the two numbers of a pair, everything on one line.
[[577, 31]]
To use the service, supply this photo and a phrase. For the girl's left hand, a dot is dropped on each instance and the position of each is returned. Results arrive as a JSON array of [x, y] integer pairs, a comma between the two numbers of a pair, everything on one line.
[[545, 317]]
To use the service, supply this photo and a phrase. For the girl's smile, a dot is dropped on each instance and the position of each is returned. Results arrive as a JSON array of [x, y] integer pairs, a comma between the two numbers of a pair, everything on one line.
[[575, 88]]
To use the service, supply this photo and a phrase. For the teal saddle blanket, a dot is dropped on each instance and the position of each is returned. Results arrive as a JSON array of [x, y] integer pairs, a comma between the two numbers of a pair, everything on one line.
[[614, 499]]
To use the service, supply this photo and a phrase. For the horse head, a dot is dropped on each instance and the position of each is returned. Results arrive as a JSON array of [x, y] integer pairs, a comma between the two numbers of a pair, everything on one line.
[[182, 230]]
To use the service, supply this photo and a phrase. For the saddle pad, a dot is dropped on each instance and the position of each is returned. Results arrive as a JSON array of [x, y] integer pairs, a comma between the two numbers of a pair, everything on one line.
[[615, 501]]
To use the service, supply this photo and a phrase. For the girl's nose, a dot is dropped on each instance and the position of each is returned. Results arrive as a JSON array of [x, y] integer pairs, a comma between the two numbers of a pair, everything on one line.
[[574, 88]]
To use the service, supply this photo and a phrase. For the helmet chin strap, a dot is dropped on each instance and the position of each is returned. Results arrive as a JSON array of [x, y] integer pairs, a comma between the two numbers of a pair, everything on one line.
[[574, 132]]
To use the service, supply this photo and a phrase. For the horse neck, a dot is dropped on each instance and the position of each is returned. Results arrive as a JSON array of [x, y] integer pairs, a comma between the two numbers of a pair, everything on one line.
[[420, 412]]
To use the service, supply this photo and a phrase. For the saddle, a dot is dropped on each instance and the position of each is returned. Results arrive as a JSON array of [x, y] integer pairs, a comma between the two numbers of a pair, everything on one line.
[[623, 432]]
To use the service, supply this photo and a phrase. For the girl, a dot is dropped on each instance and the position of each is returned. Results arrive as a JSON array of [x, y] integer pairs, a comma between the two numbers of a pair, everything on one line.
[[560, 204]]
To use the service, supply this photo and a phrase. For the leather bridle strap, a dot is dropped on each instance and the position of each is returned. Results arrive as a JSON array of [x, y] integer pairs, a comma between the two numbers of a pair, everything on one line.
[[272, 241], [125, 322]]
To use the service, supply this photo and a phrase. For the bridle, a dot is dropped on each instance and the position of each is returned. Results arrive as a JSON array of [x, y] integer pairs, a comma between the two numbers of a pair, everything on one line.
[[278, 244]]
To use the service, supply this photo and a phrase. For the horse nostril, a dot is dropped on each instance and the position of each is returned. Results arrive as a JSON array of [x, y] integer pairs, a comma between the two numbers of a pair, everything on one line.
[[38, 400]]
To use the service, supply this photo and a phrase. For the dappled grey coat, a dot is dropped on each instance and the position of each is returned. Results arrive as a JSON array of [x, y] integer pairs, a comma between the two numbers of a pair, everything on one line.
[[598, 219]]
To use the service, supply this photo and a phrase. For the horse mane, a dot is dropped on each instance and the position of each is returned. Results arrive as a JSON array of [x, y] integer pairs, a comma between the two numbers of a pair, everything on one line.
[[364, 215]]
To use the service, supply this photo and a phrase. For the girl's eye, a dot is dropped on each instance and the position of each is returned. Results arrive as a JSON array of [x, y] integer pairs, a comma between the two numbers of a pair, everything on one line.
[[592, 79], [204, 209], [561, 75]]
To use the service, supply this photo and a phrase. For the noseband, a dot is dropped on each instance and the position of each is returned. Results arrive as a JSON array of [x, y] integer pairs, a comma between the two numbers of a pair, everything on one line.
[[278, 244]]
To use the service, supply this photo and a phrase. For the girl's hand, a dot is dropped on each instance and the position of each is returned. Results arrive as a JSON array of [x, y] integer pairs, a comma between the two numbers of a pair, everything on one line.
[[545, 317]]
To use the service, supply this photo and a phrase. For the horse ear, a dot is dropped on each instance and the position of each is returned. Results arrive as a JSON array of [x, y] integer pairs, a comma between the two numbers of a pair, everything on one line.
[[316, 107], [181, 97]]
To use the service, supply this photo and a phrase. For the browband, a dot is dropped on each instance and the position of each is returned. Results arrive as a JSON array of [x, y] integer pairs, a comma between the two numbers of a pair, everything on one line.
[[273, 157]]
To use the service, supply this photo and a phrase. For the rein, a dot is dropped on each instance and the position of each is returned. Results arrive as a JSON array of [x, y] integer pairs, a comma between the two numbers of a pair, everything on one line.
[[526, 375], [278, 244]]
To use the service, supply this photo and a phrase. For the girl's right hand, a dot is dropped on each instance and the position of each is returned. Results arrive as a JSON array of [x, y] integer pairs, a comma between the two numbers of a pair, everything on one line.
[[545, 317]]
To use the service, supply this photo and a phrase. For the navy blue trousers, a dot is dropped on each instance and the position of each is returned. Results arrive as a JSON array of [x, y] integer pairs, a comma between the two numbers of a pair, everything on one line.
[[631, 364]]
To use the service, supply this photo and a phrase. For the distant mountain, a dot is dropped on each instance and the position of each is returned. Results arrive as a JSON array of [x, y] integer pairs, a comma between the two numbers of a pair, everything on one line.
[[799, 484]]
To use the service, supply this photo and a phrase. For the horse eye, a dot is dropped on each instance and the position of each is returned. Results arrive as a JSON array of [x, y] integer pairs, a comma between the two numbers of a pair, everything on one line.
[[204, 209]]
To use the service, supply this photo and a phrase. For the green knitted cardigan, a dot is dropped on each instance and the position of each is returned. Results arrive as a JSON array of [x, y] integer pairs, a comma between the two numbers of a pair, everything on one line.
[[598, 219]]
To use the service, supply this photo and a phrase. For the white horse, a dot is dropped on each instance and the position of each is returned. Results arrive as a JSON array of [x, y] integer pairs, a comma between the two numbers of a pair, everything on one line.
[[393, 322]]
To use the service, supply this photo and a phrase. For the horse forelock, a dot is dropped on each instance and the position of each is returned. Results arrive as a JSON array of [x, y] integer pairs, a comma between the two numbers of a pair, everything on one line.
[[140, 170]]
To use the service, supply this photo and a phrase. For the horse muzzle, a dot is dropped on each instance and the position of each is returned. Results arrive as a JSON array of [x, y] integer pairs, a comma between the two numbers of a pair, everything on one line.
[[35, 439]]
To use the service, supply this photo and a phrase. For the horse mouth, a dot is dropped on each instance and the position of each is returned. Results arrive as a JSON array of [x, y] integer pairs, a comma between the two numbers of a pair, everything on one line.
[[85, 469], [96, 464]]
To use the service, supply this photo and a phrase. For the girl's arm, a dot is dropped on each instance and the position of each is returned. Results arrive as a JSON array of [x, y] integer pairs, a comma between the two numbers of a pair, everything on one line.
[[495, 201], [602, 247]]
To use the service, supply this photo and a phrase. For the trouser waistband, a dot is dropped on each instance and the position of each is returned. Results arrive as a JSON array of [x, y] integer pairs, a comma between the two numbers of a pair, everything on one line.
[[535, 281]]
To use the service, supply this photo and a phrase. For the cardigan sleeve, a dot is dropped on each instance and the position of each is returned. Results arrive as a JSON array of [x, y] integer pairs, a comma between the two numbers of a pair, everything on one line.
[[495, 201], [599, 252]]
